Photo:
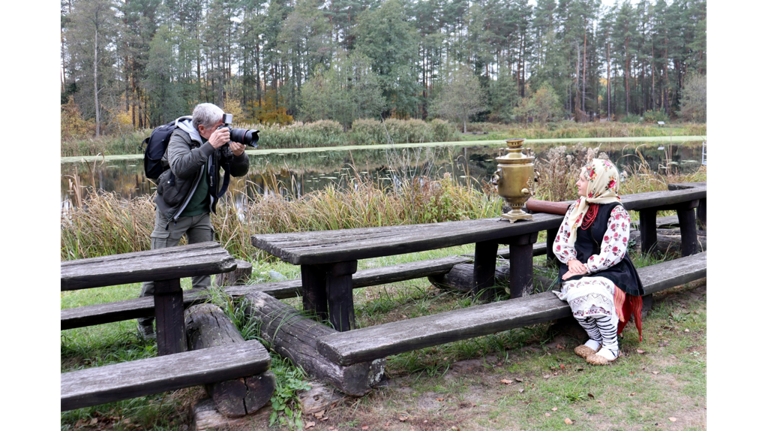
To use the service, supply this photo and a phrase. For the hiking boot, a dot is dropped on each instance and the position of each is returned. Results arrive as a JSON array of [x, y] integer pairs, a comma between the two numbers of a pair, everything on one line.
[[146, 332]]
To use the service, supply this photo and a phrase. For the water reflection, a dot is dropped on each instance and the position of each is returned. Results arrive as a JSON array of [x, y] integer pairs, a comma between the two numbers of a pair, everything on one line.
[[291, 175]]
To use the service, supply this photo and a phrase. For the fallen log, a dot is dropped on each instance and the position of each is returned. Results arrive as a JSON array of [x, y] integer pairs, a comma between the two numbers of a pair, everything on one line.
[[207, 326], [295, 336], [668, 240], [460, 278]]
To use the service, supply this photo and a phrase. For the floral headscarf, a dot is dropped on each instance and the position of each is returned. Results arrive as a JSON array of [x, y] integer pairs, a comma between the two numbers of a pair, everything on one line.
[[602, 188]]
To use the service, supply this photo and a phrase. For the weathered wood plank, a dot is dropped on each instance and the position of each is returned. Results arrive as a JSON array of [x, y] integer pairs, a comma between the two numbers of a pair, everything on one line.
[[380, 341], [163, 264], [99, 385], [78, 317], [638, 201]]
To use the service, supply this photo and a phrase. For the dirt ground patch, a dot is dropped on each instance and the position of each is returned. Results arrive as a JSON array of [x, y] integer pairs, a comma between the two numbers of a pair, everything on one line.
[[659, 384]]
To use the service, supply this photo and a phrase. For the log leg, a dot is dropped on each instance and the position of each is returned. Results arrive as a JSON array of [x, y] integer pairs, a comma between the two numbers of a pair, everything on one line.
[[313, 293], [485, 268], [551, 259], [208, 326], [169, 313], [341, 306], [688, 237], [701, 213], [521, 264], [647, 305], [647, 229]]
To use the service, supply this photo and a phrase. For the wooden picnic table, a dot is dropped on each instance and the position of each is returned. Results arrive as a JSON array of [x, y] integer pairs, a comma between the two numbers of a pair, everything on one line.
[[163, 266], [329, 258]]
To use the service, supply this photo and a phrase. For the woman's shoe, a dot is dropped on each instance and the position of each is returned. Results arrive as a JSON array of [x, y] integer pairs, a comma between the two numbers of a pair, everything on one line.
[[596, 359], [584, 351]]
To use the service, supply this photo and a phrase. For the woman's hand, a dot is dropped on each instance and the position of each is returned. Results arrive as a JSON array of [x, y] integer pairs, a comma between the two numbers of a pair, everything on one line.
[[568, 275], [576, 267]]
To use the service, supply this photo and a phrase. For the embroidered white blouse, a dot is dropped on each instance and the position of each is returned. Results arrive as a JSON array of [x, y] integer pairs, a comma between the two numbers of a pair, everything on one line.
[[612, 249]]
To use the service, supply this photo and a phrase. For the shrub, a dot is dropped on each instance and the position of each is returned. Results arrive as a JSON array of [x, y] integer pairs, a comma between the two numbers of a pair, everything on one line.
[[442, 130], [408, 131], [367, 131], [655, 116], [631, 118]]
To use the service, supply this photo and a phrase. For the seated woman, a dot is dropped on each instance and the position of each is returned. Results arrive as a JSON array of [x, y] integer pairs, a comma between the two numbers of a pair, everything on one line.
[[591, 245]]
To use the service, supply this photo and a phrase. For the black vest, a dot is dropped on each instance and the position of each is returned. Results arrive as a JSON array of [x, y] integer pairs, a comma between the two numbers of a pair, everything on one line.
[[588, 242]]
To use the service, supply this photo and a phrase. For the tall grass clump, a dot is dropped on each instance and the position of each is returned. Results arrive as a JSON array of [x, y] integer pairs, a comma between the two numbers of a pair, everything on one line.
[[559, 170], [104, 224]]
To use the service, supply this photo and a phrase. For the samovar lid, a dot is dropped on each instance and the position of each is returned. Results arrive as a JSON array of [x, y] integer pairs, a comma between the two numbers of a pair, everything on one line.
[[514, 152]]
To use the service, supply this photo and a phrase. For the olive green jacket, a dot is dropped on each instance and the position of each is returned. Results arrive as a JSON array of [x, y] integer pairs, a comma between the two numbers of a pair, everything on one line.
[[186, 156]]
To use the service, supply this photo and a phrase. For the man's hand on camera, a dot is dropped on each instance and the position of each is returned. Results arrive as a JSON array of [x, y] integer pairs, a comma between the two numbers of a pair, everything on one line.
[[237, 148], [219, 138]]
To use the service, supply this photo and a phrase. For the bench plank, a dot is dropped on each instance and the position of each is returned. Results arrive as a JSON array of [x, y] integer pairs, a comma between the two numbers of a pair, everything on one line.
[[99, 385], [638, 201], [96, 314], [379, 341], [162, 264]]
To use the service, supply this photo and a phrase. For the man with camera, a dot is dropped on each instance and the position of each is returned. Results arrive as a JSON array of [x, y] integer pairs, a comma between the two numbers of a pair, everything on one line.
[[189, 188]]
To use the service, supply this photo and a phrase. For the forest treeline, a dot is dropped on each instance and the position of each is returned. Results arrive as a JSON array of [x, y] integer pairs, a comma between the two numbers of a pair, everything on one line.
[[140, 63]]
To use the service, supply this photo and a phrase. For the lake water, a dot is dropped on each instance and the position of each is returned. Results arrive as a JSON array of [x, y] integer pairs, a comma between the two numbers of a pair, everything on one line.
[[294, 174]]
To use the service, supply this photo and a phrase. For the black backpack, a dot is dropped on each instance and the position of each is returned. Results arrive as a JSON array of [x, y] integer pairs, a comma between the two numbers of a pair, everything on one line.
[[156, 144]]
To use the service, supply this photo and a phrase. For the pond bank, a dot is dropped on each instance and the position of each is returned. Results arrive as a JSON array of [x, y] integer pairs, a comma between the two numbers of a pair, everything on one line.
[[528, 142]]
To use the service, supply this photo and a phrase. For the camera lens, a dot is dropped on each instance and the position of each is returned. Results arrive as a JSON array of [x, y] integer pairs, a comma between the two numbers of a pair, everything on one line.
[[244, 136]]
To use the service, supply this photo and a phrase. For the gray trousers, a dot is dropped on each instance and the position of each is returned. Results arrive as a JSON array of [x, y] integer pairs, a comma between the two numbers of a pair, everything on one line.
[[197, 228]]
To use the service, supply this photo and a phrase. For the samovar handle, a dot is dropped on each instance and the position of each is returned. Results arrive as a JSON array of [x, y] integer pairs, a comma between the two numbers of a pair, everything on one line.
[[496, 178]]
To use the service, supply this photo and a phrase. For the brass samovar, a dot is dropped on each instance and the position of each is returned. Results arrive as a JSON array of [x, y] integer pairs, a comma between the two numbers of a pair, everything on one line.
[[514, 179]]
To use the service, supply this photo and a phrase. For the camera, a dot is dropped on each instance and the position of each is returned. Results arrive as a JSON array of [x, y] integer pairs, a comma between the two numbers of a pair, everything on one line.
[[244, 136]]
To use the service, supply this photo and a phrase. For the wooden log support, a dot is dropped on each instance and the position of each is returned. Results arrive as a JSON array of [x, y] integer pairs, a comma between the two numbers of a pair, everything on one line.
[[687, 216], [338, 284], [551, 259], [295, 337], [314, 296], [208, 326], [521, 264], [241, 274], [484, 269], [701, 213], [169, 313], [647, 230]]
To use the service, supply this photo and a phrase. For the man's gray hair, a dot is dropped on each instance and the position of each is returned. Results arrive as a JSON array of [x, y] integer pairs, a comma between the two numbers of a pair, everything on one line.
[[206, 114]]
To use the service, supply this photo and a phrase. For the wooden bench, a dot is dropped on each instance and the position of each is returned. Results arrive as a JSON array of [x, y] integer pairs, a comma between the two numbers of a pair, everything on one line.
[[165, 267], [99, 385], [380, 341], [329, 258]]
